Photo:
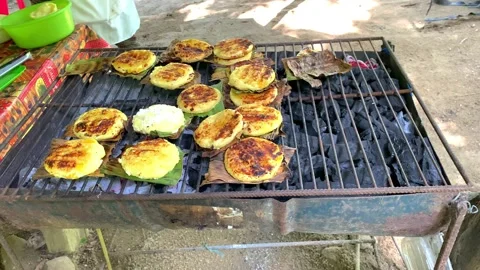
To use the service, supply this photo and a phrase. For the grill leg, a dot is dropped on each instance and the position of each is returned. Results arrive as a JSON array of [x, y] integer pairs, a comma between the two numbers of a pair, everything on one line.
[[457, 210]]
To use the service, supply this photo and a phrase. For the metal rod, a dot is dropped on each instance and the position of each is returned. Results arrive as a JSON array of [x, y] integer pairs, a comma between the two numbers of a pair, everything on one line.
[[357, 255], [364, 154], [329, 127], [104, 249], [396, 119], [352, 95], [297, 155], [457, 210], [307, 139], [323, 243], [432, 121]]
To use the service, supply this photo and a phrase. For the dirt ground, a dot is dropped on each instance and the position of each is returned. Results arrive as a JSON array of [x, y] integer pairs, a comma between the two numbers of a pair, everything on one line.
[[440, 58]]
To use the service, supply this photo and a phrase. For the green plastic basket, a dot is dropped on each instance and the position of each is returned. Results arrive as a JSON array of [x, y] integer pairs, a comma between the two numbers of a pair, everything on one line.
[[31, 33]]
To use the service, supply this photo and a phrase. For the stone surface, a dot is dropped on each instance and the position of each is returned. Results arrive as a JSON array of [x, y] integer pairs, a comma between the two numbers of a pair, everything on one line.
[[59, 263], [27, 257], [63, 240]]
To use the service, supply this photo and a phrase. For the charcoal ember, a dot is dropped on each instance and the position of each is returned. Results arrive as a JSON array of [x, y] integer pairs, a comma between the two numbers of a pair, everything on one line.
[[332, 107], [429, 169], [321, 124], [357, 107], [365, 88], [395, 101], [366, 135], [407, 163], [307, 111], [350, 135], [346, 102], [380, 86], [379, 174], [361, 123], [342, 123], [342, 151]]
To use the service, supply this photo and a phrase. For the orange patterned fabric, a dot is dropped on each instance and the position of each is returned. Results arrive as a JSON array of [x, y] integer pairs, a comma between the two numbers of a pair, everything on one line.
[[21, 96]]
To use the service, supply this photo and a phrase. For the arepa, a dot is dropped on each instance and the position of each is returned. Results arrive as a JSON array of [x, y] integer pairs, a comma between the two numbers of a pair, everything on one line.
[[259, 120], [254, 77], [134, 61], [172, 76], [218, 130], [253, 160], [100, 124], [265, 98], [198, 98], [75, 158], [233, 48], [150, 159], [192, 50]]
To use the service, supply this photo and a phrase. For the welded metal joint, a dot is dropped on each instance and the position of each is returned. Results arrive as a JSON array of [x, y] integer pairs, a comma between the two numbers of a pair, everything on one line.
[[457, 209]]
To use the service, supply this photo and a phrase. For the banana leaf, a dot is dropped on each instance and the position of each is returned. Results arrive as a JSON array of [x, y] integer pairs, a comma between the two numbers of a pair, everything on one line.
[[218, 108], [88, 66], [114, 168]]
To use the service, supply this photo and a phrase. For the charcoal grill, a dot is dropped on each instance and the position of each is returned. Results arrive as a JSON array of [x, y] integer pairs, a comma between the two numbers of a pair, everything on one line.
[[364, 163]]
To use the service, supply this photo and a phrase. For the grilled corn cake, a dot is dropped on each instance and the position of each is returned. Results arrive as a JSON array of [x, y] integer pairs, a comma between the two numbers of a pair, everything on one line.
[[150, 159], [233, 48], [198, 98], [134, 61], [172, 76], [265, 98], [259, 120], [158, 119], [229, 62], [74, 159], [192, 50], [100, 124], [253, 159], [218, 130], [253, 77]]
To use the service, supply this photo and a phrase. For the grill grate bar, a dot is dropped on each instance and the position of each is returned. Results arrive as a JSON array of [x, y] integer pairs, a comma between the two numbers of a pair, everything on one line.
[[44, 148], [294, 132], [431, 156], [352, 95], [380, 152], [313, 113], [14, 158], [364, 154]]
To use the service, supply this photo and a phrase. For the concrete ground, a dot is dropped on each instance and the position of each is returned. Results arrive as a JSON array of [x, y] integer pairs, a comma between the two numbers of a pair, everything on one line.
[[442, 60]]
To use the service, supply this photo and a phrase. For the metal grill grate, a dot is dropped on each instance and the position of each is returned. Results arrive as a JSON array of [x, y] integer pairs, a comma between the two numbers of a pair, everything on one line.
[[353, 137]]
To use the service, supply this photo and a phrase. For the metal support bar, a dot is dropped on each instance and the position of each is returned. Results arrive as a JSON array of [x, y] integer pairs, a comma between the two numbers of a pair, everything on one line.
[[324, 243], [10, 253], [457, 210]]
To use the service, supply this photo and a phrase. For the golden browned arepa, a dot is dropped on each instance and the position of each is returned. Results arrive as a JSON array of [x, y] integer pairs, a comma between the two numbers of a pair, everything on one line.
[[233, 48], [252, 77], [253, 159], [259, 120], [150, 159], [134, 61], [229, 62], [218, 130], [172, 76], [265, 98], [74, 159], [101, 124], [198, 98], [192, 50]]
